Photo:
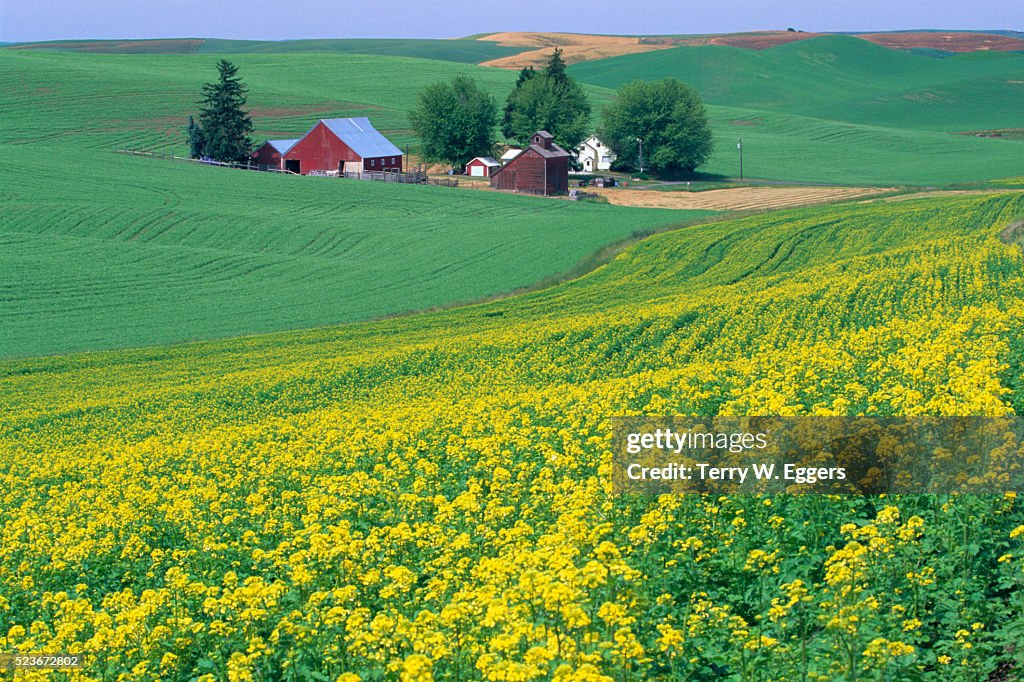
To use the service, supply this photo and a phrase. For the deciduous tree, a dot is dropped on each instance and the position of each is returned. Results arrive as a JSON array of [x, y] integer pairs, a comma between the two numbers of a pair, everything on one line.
[[455, 121], [668, 116]]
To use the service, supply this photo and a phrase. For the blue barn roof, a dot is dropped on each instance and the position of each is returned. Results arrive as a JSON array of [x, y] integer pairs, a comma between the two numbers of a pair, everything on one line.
[[361, 137], [282, 146]]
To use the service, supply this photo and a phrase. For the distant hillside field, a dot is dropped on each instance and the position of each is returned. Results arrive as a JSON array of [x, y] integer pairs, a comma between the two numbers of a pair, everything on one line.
[[840, 109], [99, 250], [839, 78], [98, 101], [786, 103], [463, 50]]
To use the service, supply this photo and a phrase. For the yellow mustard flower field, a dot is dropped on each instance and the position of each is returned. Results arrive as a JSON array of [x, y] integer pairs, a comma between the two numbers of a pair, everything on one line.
[[428, 498]]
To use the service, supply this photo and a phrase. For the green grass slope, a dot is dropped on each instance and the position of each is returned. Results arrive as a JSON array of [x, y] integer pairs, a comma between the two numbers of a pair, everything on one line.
[[99, 250], [806, 149], [472, 449], [840, 109], [143, 101], [839, 78], [461, 50], [97, 101]]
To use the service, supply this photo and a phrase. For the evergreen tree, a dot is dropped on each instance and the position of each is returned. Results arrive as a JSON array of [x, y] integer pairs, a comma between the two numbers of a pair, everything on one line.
[[506, 120], [550, 101], [555, 69], [225, 125], [196, 142], [455, 121]]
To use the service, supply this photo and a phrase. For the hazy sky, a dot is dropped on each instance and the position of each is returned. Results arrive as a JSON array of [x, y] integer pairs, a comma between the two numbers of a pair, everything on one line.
[[25, 20]]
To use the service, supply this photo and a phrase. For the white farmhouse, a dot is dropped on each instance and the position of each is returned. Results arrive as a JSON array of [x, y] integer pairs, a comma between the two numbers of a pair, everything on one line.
[[594, 155]]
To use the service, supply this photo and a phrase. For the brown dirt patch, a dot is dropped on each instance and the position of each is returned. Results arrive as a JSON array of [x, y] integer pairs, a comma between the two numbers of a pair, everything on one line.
[[1013, 233], [578, 47], [738, 199], [575, 48], [950, 42]]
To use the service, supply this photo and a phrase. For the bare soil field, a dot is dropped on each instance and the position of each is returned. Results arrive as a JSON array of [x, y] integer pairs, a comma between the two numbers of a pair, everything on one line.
[[578, 47], [950, 42], [575, 48], [737, 199], [581, 47]]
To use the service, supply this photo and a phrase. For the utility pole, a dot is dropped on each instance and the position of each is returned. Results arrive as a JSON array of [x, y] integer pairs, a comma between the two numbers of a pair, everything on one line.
[[739, 146], [640, 140]]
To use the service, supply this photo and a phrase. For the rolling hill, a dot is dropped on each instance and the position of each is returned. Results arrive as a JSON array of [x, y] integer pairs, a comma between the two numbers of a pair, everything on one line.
[[461, 50], [446, 477], [140, 237], [102, 102], [138, 251], [839, 78], [841, 109], [97, 101]]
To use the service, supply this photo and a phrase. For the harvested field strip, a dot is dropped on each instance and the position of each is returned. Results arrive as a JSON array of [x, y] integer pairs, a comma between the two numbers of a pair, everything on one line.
[[738, 199], [575, 48], [949, 42]]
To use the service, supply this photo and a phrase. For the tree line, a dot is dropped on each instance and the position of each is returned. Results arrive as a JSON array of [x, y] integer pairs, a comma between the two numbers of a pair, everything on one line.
[[457, 121]]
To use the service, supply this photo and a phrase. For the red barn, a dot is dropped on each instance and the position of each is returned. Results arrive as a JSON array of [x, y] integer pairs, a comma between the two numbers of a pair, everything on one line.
[[343, 144], [482, 167], [269, 155], [541, 168]]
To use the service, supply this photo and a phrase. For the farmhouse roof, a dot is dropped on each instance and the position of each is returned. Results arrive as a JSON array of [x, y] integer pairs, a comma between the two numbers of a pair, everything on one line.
[[361, 137], [282, 146], [487, 161], [553, 153]]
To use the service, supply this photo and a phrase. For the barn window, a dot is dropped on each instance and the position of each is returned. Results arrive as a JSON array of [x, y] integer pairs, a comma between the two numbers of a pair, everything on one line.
[[373, 162]]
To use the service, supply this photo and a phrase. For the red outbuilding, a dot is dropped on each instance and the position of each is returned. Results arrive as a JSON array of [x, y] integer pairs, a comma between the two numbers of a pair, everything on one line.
[[347, 145], [482, 167], [541, 168], [269, 154]]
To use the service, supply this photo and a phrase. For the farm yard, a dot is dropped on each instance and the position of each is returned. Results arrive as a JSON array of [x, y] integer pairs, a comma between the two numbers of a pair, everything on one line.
[[892, 127], [256, 426]]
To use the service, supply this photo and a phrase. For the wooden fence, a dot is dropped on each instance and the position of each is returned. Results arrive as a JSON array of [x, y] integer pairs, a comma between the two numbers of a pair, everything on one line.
[[205, 162], [414, 178]]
